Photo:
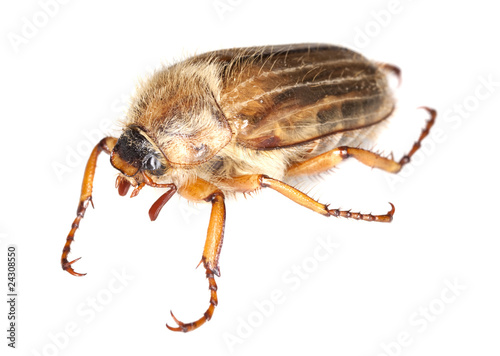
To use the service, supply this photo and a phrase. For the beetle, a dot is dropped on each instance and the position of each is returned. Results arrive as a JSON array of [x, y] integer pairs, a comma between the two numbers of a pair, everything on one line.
[[238, 120]]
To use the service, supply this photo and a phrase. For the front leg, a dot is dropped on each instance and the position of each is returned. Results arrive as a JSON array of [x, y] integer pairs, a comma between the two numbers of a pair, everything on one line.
[[201, 190], [106, 145]]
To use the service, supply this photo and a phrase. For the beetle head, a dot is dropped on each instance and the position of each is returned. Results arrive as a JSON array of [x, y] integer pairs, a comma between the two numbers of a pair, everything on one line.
[[136, 153]]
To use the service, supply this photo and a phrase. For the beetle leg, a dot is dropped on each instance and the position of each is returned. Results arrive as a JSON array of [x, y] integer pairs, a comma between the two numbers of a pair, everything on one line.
[[393, 69], [106, 145], [308, 202], [250, 183], [198, 191], [331, 158]]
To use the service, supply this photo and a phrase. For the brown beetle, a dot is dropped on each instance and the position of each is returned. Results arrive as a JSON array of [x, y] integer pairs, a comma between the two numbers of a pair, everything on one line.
[[238, 120]]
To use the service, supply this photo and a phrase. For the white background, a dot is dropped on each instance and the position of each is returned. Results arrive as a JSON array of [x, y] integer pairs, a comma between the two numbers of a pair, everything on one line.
[[75, 69]]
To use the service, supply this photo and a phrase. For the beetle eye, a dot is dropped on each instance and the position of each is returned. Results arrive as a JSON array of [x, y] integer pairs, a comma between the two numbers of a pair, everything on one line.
[[151, 163]]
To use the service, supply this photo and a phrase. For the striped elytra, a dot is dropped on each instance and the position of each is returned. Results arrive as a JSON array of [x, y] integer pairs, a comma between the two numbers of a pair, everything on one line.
[[287, 95]]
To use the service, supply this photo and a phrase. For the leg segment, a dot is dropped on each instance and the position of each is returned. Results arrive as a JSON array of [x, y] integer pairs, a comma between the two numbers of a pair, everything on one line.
[[106, 145], [250, 183], [392, 69], [204, 191], [331, 158]]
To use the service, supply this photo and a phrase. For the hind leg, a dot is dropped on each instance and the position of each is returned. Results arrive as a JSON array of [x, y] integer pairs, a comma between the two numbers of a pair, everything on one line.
[[330, 159]]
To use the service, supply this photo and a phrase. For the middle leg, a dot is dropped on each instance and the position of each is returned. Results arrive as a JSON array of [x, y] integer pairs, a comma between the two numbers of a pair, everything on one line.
[[201, 190], [250, 183]]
